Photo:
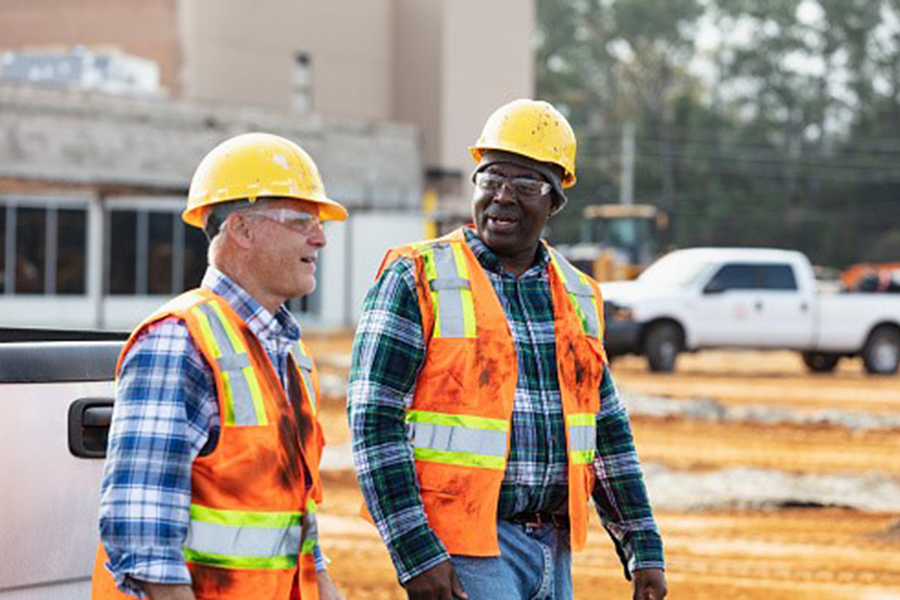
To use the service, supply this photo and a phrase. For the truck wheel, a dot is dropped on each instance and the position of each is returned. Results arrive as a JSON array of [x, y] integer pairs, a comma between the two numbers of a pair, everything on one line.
[[881, 354], [664, 342], [820, 362]]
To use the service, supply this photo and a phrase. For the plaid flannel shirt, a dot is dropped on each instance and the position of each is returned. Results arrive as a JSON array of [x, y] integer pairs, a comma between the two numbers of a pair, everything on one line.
[[166, 407], [388, 353]]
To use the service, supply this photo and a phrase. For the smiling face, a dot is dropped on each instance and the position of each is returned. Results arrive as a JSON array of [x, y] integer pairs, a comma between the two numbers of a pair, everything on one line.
[[511, 226], [283, 254]]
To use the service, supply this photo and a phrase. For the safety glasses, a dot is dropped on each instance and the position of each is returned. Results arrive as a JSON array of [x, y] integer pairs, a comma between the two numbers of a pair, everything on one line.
[[297, 220], [521, 187]]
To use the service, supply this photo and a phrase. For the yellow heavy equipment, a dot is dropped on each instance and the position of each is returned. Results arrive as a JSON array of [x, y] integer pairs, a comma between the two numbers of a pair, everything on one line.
[[618, 240]]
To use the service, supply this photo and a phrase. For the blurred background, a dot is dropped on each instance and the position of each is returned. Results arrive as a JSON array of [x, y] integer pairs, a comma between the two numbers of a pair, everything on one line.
[[742, 123]]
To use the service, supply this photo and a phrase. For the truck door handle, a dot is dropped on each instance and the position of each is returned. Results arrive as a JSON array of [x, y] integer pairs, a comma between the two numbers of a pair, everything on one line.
[[804, 307], [89, 420], [758, 305]]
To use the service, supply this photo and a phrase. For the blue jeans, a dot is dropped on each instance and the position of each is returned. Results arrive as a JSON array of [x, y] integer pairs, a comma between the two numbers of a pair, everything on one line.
[[534, 564]]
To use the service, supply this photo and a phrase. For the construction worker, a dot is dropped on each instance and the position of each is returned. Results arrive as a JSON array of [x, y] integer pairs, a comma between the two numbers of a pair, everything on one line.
[[211, 480], [483, 414]]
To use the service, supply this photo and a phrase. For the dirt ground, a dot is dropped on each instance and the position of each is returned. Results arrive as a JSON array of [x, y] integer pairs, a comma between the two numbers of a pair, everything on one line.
[[795, 553]]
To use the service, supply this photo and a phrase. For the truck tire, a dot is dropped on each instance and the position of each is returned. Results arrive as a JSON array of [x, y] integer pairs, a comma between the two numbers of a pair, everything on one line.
[[881, 354], [664, 342], [820, 362]]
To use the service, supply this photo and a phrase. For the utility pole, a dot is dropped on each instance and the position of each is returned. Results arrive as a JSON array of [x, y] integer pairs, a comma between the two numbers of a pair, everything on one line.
[[626, 185]]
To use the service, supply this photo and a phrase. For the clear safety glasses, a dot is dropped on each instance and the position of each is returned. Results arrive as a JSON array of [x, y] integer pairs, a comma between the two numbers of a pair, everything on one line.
[[521, 187], [299, 221]]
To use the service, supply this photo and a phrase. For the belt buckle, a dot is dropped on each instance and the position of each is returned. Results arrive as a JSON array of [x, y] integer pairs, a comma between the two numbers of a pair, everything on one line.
[[537, 521]]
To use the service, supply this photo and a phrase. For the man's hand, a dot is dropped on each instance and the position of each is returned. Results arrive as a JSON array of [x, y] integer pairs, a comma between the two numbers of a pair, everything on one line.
[[649, 584], [160, 591], [437, 583], [327, 589]]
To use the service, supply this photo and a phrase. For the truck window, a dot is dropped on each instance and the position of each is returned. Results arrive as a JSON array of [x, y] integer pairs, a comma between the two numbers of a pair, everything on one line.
[[733, 277], [778, 277]]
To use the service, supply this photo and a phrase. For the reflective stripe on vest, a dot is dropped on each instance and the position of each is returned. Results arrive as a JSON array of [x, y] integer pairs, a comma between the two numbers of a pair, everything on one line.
[[310, 528], [244, 539], [582, 429], [458, 439], [305, 365], [580, 294], [448, 278], [243, 399]]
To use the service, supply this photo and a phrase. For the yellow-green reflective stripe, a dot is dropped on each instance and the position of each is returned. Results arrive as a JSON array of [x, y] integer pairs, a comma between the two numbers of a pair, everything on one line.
[[469, 421], [236, 342], [308, 546], [311, 507], [207, 332], [573, 299], [245, 518], [240, 562], [468, 303], [581, 419], [229, 399], [582, 457], [239, 347], [460, 458], [430, 275]]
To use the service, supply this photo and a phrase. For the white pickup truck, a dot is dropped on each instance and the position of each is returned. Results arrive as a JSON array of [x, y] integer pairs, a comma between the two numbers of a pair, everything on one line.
[[756, 298], [56, 401]]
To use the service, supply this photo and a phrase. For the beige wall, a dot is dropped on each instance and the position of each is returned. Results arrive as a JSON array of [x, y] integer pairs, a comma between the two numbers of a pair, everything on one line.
[[457, 61], [243, 52], [146, 28]]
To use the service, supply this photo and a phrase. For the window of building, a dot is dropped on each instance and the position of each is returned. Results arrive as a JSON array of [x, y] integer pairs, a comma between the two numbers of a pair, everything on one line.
[[71, 251], [194, 261], [5, 269], [122, 252], [160, 252], [31, 250], [154, 252]]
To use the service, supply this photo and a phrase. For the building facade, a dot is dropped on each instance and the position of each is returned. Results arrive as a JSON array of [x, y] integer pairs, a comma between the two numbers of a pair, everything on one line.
[[385, 94]]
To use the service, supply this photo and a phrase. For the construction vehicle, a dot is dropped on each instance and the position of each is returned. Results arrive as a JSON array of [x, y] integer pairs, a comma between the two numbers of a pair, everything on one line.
[[617, 240]]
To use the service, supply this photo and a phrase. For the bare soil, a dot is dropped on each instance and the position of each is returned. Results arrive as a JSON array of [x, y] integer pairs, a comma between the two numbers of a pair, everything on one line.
[[797, 553]]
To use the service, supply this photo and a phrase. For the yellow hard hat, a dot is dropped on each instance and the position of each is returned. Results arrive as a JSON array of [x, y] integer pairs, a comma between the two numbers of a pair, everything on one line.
[[253, 166], [532, 128]]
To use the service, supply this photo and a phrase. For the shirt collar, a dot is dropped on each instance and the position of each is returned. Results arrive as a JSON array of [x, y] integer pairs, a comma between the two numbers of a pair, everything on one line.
[[267, 327], [489, 260]]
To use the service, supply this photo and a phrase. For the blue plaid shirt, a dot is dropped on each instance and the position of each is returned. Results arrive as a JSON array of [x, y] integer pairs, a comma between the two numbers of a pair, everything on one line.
[[166, 407], [389, 352]]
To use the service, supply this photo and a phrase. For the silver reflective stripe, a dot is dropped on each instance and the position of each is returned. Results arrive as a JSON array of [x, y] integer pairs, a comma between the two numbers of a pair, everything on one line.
[[306, 364], [582, 437], [449, 283], [449, 297], [448, 438], [244, 541], [583, 293], [233, 363]]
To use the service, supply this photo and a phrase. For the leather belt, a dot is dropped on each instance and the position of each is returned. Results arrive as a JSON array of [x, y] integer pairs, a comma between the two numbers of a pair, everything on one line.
[[540, 519]]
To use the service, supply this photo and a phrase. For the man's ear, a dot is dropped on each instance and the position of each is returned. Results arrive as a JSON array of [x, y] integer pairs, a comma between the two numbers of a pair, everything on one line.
[[238, 227]]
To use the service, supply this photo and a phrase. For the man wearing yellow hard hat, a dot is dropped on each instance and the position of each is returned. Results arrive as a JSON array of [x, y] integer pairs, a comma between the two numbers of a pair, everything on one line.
[[483, 413], [212, 475]]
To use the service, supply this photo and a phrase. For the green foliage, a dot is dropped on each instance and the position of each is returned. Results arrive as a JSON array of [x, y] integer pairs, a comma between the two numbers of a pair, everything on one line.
[[788, 136]]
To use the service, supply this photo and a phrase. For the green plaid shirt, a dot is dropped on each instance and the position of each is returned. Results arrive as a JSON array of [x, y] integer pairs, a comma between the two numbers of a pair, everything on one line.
[[388, 353]]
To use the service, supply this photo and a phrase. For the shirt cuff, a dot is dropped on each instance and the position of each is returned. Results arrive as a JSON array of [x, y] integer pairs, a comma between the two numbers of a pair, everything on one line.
[[646, 550], [415, 551], [321, 561], [153, 565]]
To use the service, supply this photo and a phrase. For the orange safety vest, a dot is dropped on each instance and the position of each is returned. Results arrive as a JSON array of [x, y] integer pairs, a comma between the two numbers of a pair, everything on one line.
[[253, 499], [460, 416]]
